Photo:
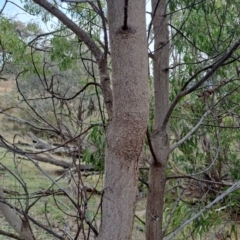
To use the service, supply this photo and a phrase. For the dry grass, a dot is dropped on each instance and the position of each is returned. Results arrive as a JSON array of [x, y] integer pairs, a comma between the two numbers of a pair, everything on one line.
[[6, 87], [46, 207]]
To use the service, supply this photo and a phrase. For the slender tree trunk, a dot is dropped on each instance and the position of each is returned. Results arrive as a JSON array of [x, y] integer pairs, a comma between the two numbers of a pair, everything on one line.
[[160, 136], [125, 133]]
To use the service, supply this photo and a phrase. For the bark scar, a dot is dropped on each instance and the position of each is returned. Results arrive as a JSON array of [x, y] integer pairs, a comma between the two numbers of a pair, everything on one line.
[[125, 32]]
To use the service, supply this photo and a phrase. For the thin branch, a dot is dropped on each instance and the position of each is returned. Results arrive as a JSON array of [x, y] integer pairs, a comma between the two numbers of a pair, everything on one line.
[[93, 47], [200, 82], [139, 219], [73, 26], [104, 21], [69, 197], [212, 163], [218, 199], [22, 121], [151, 148], [186, 7], [76, 94], [200, 122], [24, 10], [42, 35], [100, 57], [3, 7], [33, 109], [223, 184], [190, 132], [185, 37], [143, 182], [10, 235]]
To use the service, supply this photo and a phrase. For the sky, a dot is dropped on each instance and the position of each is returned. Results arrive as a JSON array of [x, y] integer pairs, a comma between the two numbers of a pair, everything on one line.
[[14, 12]]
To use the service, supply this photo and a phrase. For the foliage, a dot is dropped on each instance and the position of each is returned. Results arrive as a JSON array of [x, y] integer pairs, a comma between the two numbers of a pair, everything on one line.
[[95, 156]]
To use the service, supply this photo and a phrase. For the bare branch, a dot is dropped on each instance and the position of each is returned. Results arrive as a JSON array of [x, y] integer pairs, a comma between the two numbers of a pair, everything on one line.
[[200, 82], [223, 183], [11, 235], [190, 132], [73, 26], [22, 121], [104, 21], [218, 199], [3, 7], [151, 148], [100, 57], [41, 35], [199, 122]]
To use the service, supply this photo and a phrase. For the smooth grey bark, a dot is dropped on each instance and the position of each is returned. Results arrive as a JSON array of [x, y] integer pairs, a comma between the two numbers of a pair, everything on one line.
[[126, 132], [160, 136]]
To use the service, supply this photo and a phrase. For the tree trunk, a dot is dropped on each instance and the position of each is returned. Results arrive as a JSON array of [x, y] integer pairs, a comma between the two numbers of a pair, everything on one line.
[[160, 136], [125, 133]]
